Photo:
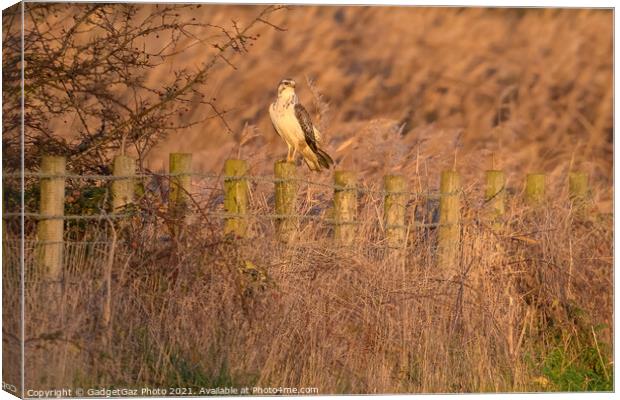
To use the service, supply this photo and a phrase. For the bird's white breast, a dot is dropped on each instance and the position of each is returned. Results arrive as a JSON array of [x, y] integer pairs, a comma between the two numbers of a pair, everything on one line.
[[283, 117]]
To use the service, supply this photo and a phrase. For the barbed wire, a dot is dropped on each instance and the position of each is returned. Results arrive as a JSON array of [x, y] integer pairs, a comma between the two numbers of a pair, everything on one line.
[[218, 214], [249, 178], [42, 175], [55, 242], [225, 215], [38, 216]]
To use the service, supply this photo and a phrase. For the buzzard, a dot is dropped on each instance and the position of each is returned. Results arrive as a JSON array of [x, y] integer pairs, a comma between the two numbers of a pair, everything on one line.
[[292, 123]]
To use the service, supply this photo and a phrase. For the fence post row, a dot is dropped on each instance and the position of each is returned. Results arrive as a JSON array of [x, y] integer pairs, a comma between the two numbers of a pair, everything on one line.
[[345, 206], [394, 209], [449, 218], [52, 202], [535, 189], [495, 196], [50, 231], [123, 189], [286, 195], [236, 197]]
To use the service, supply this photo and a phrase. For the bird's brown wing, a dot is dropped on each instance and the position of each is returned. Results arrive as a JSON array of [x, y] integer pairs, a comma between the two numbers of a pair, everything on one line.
[[306, 125]]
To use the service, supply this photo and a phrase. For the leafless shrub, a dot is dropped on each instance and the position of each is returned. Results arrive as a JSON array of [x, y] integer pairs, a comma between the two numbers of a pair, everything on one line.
[[86, 69]]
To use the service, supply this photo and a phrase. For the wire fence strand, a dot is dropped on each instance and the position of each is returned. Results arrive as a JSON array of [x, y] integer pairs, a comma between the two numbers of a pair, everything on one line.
[[225, 215], [328, 220], [249, 178]]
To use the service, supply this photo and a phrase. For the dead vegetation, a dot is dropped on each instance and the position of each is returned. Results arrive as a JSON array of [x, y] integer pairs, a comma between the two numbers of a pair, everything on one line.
[[208, 310], [395, 90]]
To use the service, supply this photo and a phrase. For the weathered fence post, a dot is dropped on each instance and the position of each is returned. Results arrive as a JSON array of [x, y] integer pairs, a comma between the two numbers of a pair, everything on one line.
[[535, 189], [495, 196], [180, 183], [286, 193], [50, 231], [123, 189], [345, 206], [236, 196], [578, 190], [449, 219], [394, 207]]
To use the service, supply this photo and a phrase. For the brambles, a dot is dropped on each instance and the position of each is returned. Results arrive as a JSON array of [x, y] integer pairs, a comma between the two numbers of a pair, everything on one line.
[[88, 96]]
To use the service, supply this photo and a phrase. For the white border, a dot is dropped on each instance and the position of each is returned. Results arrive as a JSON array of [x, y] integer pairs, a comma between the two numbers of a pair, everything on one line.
[[479, 3]]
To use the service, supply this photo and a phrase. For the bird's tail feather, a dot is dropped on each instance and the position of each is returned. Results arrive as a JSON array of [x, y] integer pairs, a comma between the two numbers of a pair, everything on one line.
[[324, 159]]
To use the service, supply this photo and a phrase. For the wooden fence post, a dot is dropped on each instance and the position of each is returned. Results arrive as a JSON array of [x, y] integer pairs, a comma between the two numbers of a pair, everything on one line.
[[345, 206], [236, 196], [286, 193], [395, 205], [123, 189], [180, 183], [578, 189], [535, 189], [449, 219], [495, 196], [50, 231]]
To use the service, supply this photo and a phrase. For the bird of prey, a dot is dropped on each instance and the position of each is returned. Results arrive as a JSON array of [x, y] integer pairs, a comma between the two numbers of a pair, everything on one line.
[[292, 123]]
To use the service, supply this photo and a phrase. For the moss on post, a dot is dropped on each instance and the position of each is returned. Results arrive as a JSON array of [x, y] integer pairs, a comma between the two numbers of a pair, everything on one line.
[[345, 206], [236, 197], [578, 191], [286, 194], [123, 189], [50, 231], [180, 182], [495, 196], [535, 189], [395, 205], [449, 234]]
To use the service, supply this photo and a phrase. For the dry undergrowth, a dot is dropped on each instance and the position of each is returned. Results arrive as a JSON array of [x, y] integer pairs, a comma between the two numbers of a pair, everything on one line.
[[397, 90], [207, 310]]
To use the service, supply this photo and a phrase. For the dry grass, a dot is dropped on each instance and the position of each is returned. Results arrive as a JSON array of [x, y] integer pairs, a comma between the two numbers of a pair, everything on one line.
[[207, 310], [396, 90], [533, 87]]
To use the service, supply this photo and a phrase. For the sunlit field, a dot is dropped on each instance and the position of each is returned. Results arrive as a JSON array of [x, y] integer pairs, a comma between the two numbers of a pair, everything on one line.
[[176, 295]]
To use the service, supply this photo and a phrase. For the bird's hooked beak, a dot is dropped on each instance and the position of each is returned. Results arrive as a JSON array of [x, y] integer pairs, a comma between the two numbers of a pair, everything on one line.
[[286, 83]]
